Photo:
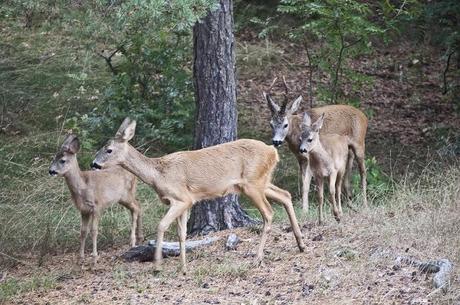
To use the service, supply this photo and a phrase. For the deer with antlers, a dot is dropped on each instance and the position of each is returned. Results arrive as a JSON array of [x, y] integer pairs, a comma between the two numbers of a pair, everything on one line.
[[94, 191], [183, 178], [338, 119]]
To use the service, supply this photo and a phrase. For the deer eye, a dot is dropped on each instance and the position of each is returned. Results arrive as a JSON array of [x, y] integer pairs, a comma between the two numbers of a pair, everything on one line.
[[109, 151], [285, 125], [309, 140], [62, 161]]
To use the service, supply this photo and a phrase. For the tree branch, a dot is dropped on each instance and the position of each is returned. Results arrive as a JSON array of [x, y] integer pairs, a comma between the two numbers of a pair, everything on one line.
[[108, 60], [444, 74]]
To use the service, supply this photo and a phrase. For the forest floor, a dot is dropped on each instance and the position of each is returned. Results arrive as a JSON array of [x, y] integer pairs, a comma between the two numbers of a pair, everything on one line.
[[411, 123], [348, 263]]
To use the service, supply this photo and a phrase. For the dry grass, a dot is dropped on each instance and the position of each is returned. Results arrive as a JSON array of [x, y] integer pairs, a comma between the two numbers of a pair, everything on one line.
[[37, 215], [350, 264]]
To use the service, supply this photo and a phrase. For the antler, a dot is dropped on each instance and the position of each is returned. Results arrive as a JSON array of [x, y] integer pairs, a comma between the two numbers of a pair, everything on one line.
[[271, 85], [286, 95]]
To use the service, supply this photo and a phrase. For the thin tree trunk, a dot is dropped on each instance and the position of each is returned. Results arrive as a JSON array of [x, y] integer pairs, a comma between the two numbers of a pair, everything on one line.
[[216, 117]]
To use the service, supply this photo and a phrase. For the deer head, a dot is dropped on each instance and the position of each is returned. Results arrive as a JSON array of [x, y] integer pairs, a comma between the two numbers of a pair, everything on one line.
[[66, 157], [115, 150], [310, 133], [279, 121]]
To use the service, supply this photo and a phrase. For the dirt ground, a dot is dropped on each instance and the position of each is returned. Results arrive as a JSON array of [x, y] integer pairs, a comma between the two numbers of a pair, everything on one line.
[[348, 263]]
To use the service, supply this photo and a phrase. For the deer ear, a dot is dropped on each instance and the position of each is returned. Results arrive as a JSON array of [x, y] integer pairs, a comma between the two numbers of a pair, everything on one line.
[[306, 120], [274, 108], [318, 124], [122, 127], [127, 130], [71, 144], [295, 105]]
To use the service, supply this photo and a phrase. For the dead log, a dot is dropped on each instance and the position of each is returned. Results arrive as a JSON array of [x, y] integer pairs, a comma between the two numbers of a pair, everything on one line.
[[145, 253], [442, 268]]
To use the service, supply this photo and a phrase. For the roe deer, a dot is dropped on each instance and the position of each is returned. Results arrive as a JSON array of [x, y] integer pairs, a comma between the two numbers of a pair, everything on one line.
[[339, 119], [93, 191], [328, 155], [183, 178]]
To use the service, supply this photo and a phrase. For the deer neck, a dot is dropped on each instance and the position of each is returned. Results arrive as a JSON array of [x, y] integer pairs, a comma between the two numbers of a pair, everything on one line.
[[321, 158], [147, 169], [75, 181], [293, 135]]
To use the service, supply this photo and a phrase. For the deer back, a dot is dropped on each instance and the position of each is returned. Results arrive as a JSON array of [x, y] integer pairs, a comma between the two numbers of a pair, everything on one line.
[[216, 170], [338, 119], [110, 185]]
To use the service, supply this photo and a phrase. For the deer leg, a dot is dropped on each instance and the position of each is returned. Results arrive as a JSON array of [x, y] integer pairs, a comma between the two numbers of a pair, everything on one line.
[[338, 189], [360, 156], [262, 204], [94, 232], [182, 233], [347, 187], [133, 207], [306, 181], [176, 209], [283, 197], [139, 225], [320, 194], [332, 181], [84, 228]]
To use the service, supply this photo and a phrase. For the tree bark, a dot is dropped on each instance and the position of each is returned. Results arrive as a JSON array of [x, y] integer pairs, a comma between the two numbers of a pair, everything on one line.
[[216, 116]]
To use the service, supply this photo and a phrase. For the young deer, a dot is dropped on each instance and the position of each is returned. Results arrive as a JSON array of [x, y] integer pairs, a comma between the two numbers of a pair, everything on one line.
[[93, 191], [328, 155], [181, 179], [339, 119]]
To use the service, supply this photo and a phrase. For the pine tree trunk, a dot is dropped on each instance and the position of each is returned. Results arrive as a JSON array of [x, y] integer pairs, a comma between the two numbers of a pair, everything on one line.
[[216, 117]]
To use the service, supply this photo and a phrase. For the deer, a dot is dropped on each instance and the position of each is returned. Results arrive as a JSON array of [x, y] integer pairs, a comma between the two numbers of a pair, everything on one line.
[[93, 191], [338, 119], [183, 178], [328, 158]]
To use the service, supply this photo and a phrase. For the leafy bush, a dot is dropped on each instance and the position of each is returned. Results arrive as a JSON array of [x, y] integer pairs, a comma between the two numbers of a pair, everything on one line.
[[342, 30], [147, 47]]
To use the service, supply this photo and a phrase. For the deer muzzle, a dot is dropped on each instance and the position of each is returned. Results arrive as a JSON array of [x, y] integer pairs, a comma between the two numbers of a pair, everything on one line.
[[94, 165]]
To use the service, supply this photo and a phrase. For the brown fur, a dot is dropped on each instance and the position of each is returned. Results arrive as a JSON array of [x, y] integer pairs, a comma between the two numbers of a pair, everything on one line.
[[93, 191], [181, 179], [339, 119]]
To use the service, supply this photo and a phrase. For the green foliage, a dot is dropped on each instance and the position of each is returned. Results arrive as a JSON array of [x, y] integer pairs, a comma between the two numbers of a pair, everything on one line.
[[148, 50], [378, 183], [342, 30]]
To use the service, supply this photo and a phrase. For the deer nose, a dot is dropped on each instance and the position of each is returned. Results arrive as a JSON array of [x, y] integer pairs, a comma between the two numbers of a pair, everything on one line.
[[94, 165], [52, 172], [277, 143], [303, 150]]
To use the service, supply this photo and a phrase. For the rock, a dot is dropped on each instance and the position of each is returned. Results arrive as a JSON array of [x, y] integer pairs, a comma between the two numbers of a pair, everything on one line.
[[232, 242], [318, 237]]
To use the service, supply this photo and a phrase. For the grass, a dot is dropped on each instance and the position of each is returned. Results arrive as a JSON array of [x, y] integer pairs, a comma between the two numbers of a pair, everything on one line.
[[227, 268], [15, 286]]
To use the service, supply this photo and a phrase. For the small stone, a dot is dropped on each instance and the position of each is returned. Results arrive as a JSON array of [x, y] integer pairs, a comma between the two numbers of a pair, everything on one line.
[[232, 242], [318, 237], [205, 285]]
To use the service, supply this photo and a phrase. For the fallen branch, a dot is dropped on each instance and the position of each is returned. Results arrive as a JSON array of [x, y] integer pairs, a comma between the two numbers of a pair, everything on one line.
[[145, 253], [442, 268]]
